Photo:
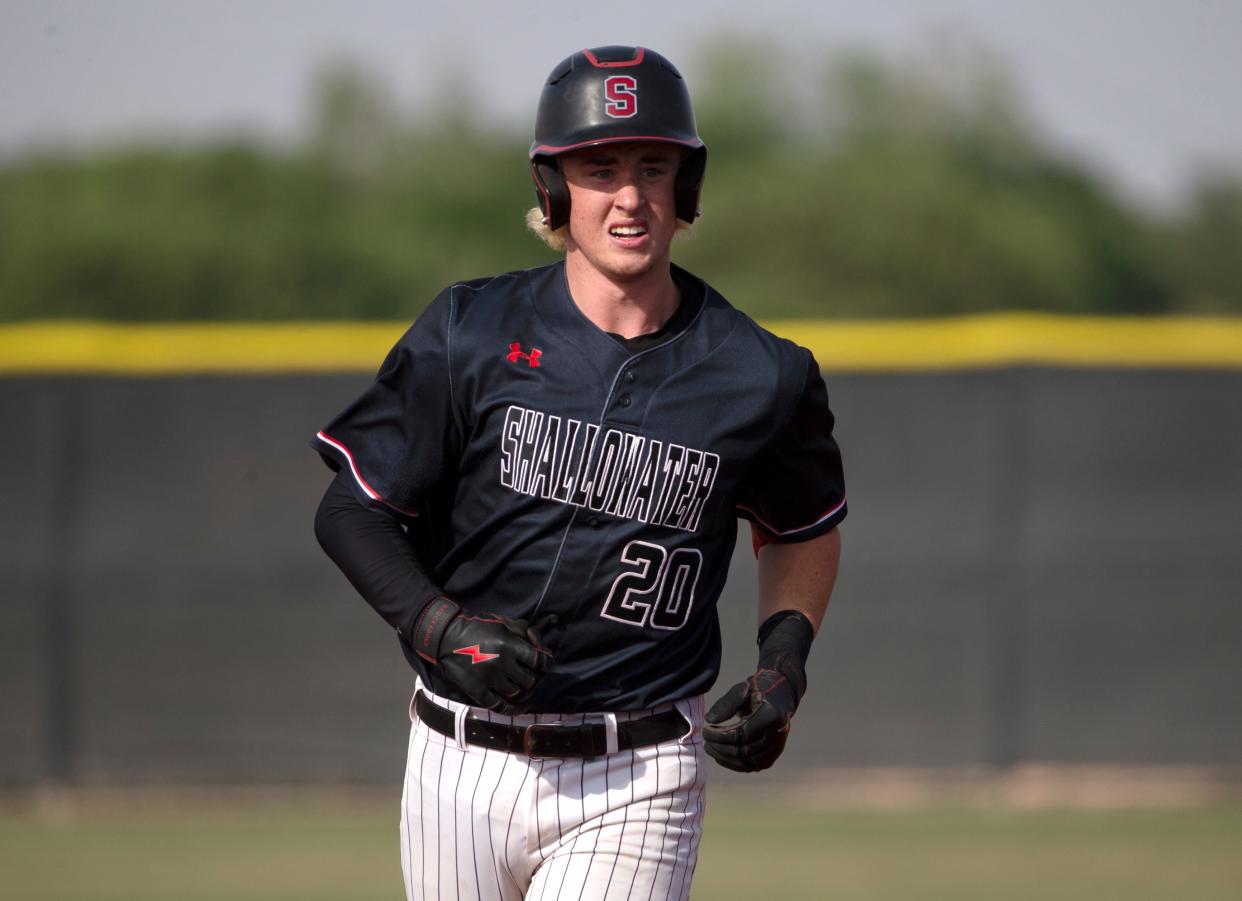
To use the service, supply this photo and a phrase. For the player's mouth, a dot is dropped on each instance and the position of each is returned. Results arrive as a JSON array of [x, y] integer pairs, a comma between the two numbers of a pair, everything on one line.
[[628, 234]]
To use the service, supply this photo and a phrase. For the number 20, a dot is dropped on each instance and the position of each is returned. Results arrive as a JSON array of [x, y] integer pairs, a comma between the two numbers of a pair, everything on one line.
[[661, 587]]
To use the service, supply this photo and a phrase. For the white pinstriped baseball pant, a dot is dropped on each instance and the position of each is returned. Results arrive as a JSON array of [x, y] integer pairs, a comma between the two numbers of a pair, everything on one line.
[[489, 825]]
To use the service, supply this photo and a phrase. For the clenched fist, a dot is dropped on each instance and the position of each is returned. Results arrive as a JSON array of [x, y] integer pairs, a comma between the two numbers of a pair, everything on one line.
[[495, 661], [747, 728]]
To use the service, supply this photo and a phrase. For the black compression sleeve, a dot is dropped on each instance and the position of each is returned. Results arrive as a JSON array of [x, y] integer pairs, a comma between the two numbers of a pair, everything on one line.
[[375, 554]]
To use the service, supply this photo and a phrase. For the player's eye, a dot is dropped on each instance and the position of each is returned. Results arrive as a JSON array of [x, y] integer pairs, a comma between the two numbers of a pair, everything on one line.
[[601, 174]]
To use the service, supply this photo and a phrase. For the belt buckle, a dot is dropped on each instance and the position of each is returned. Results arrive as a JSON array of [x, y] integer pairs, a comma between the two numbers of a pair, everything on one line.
[[528, 739]]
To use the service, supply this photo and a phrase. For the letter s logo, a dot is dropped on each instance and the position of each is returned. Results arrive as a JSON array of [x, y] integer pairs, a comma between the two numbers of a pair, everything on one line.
[[621, 91]]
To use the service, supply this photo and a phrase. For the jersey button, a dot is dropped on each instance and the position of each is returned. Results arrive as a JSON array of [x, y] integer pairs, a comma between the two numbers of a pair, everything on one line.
[[629, 375], [624, 400], [593, 522]]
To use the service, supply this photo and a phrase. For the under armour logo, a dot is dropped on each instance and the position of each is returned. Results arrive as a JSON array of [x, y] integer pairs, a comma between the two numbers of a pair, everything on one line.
[[475, 655], [516, 353]]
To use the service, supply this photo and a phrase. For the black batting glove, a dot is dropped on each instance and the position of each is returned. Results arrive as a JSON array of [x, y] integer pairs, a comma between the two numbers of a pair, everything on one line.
[[747, 728], [495, 661]]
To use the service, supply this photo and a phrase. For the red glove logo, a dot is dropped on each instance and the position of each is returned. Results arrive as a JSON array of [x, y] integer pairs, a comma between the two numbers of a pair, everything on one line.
[[475, 655]]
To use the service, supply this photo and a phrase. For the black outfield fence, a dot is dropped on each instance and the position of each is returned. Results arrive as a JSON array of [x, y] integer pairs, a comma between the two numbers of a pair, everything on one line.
[[1040, 565]]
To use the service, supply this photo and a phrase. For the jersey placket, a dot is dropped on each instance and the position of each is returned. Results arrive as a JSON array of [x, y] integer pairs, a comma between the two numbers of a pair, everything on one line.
[[576, 561]]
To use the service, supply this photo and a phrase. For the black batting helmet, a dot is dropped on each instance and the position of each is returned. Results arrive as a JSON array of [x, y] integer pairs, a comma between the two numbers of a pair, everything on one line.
[[610, 94]]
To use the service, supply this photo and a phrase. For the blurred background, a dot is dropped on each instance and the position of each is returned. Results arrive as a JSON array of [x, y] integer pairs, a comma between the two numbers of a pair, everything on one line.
[[1039, 599]]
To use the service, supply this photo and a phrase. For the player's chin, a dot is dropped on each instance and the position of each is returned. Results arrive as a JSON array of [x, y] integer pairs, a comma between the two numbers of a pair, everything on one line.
[[632, 264]]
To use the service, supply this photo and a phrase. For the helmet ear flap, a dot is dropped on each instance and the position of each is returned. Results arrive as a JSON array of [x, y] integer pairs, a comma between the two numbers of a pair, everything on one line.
[[551, 191], [688, 184]]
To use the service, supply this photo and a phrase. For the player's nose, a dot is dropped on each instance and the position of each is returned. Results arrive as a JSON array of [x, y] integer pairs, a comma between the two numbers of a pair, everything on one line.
[[629, 196]]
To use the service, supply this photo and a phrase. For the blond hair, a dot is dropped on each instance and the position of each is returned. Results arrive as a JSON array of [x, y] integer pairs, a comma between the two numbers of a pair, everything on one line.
[[556, 239]]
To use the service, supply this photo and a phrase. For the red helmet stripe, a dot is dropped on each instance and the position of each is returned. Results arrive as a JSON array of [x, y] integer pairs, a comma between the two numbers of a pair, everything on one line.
[[594, 60], [552, 150]]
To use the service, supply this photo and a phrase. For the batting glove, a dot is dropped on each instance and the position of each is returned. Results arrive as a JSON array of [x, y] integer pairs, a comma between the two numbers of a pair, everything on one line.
[[747, 728], [495, 661]]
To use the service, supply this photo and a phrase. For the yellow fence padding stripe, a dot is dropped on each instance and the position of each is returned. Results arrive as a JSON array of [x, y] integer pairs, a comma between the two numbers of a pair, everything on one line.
[[909, 345], [1011, 339], [143, 349]]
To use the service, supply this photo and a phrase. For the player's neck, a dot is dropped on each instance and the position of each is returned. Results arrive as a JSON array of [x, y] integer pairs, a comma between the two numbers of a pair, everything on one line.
[[627, 308]]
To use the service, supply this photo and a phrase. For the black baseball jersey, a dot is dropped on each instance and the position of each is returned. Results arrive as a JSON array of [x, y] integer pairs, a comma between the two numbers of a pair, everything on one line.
[[554, 474]]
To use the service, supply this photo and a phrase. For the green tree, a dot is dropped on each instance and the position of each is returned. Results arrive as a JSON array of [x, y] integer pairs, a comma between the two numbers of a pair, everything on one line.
[[839, 184]]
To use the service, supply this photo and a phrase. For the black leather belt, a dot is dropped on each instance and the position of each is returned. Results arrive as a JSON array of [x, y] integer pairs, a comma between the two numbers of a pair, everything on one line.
[[553, 739]]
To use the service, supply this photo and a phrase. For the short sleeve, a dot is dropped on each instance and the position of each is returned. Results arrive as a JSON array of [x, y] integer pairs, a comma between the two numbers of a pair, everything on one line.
[[401, 436], [795, 489]]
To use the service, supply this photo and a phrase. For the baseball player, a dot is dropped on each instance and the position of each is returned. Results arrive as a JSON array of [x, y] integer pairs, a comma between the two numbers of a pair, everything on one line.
[[539, 493]]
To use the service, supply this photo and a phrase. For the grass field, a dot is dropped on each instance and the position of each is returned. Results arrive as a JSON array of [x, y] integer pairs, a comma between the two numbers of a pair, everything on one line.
[[317, 851]]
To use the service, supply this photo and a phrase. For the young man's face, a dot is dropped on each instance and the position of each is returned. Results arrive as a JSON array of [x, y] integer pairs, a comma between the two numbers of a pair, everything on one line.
[[622, 212]]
